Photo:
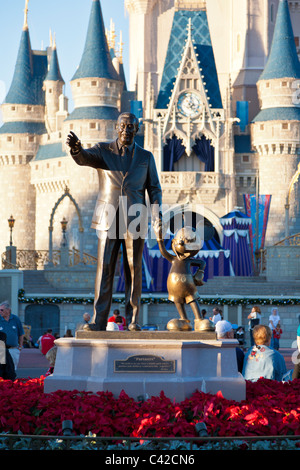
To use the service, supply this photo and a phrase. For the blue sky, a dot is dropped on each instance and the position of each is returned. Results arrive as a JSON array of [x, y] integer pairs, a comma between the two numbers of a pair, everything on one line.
[[68, 19]]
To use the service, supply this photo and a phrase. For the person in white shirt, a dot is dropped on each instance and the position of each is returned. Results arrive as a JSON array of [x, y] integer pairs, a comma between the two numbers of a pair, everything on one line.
[[217, 315], [254, 319]]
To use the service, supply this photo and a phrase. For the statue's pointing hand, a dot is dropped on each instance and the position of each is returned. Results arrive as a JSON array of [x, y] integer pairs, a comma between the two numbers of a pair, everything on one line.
[[73, 142]]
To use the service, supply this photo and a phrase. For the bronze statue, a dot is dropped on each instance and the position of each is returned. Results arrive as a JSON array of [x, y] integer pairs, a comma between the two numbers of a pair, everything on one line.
[[181, 283], [126, 171]]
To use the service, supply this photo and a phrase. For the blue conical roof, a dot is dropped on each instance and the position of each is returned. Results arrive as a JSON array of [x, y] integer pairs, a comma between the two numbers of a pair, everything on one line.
[[20, 89], [54, 70], [96, 60], [29, 74], [283, 61]]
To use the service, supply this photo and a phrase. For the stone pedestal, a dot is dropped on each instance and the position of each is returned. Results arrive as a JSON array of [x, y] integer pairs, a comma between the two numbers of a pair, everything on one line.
[[145, 363]]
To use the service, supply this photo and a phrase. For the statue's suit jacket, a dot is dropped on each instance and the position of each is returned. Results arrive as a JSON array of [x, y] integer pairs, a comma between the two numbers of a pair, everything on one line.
[[140, 177]]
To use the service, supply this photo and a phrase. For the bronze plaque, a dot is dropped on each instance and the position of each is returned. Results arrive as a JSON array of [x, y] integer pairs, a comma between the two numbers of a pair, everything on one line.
[[144, 363]]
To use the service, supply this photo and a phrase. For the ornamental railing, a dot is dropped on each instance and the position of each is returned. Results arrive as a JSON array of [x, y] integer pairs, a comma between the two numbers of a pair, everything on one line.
[[155, 444], [195, 179], [292, 240], [37, 259]]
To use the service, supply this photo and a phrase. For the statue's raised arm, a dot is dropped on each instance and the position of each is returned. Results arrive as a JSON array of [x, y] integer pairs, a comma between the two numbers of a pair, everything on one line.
[[73, 142]]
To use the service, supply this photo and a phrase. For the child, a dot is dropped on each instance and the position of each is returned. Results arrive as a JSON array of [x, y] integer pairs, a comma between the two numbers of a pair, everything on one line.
[[277, 332], [119, 322]]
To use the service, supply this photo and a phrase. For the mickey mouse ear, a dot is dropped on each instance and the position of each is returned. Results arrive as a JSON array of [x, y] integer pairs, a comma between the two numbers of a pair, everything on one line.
[[208, 232]]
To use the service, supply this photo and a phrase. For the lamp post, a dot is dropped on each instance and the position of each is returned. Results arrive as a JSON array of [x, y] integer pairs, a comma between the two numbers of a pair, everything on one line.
[[64, 249], [11, 223], [64, 224]]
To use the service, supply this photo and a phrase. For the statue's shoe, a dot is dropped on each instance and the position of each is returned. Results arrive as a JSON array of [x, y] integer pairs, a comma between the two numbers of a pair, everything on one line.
[[134, 327], [178, 324]]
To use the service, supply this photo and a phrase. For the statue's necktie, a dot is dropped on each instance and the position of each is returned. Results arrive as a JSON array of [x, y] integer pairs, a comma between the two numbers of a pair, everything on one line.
[[125, 158]]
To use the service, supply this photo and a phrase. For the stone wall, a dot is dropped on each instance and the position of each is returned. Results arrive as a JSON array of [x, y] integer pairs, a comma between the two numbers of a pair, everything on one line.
[[283, 262]]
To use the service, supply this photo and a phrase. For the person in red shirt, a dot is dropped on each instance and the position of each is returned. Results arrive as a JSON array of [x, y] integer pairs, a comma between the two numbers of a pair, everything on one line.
[[47, 342], [277, 332], [116, 313]]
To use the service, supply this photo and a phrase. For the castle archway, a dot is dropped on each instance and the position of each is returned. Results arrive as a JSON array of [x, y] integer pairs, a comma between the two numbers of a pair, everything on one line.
[[81, 229], [193, 215]]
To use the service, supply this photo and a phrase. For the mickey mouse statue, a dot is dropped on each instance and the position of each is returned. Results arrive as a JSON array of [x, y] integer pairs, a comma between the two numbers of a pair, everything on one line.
[[181, 283]]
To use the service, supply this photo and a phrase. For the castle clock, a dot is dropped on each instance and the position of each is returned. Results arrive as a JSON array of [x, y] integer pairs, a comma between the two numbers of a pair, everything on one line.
[[189, 104]]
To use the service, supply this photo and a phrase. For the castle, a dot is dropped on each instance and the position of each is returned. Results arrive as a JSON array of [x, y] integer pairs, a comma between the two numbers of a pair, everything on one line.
[[215, 84]]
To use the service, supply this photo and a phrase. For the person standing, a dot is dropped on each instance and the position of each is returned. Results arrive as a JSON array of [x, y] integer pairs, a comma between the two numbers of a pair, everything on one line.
[[277, 332], [217, 315], [254, 318], [47, 341], [274, 321], [11, 325], [126, 173]]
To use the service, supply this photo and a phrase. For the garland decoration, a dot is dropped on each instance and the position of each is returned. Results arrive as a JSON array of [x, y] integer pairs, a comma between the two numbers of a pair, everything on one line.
[[217, 300]]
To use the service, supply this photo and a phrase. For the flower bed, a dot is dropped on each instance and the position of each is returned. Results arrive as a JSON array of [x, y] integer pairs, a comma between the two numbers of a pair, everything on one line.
[[270, 409]]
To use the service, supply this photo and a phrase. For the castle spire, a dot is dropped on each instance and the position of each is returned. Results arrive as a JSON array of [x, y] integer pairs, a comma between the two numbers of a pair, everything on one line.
[[20, 91], [54, 69], [283, 60], [96, 60], [25, 26]]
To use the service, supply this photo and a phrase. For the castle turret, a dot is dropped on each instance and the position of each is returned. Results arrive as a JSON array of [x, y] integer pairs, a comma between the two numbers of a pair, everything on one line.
[[53, 87], [96, 86], [23, 123], [276, 128]]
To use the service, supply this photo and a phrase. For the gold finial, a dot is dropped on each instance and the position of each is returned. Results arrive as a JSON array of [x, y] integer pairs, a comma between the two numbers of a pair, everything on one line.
[[107, 34], [25, 26], [50, 37], [121, 44], [112, 35]]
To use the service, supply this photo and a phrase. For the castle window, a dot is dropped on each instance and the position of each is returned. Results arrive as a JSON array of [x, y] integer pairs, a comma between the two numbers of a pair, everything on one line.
[[94, 83], [50, 90], [28, 108], [284, 125], [71, 127], [59, 163], [245, 158], [30, 138], [36, 167], [9, 138], [92, 125], [261, 127], [78, 84], [284, 84], [267, 84], [13, 108]]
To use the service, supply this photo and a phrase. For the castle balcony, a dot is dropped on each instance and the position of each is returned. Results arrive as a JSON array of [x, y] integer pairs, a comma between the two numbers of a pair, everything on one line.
[[205, 187]]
